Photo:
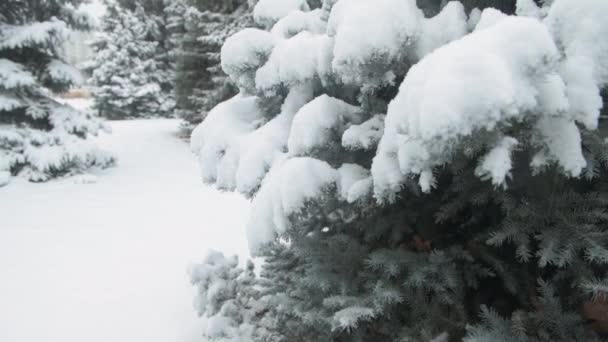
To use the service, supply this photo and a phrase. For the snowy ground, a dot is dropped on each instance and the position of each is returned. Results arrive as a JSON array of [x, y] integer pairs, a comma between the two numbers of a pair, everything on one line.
[[107, 261]]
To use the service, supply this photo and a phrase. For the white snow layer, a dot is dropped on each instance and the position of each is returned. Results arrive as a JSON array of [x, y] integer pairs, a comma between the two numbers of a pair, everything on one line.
[[107, 260]]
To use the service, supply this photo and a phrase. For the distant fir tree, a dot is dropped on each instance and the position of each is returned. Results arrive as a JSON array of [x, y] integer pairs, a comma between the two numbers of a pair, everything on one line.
[[420, 171], [41, 138], [203, 26], [131, 74]]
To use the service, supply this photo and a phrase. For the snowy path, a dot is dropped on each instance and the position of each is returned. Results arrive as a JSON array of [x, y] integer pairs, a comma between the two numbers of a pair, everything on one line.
[[107, 262]]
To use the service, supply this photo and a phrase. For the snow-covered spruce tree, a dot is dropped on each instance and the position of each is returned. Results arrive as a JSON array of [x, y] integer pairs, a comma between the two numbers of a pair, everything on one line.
[[39, 137], [417, 178], [129, 73], [200, 83]]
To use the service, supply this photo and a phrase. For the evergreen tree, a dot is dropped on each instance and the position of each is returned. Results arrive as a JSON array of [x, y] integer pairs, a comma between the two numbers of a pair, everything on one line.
[[130, 70], [39, 137], [200, 84], [434, 175]]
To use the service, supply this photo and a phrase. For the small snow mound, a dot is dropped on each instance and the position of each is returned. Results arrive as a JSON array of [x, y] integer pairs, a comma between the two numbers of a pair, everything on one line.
[[5, 178], [85, 179]]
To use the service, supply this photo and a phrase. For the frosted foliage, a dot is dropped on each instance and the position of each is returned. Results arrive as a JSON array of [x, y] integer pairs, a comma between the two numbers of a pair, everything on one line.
[[41, 138], [284, 192], [497, 164], [579, 26], [351, 317], [362, 41], [34, 34], [41, 154], [268, 12], [65, 73], [483, 82], [364, 136], [299, 21], [13, 75], [218, 280], [294, 61], [450, 24], [244, 52], [9, 102], [316, 123]]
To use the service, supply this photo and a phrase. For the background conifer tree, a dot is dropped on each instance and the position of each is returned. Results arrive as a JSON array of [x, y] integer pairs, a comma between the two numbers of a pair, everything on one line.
[[39, 137], [200, 83], [131, 73]]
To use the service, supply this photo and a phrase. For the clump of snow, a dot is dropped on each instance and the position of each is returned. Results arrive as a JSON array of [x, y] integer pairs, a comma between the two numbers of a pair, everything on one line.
[[260, 149], [577, 26], [561, 140], [484, 81], [299, 21], [489, 17], [284, 192], [364, 136], [295, 61], [243, 53], [450, 24], [267, 12], [370, 36], [496, 165], [527, 8], [474, 17], [317, 122], [215, 141], [352, 178]]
